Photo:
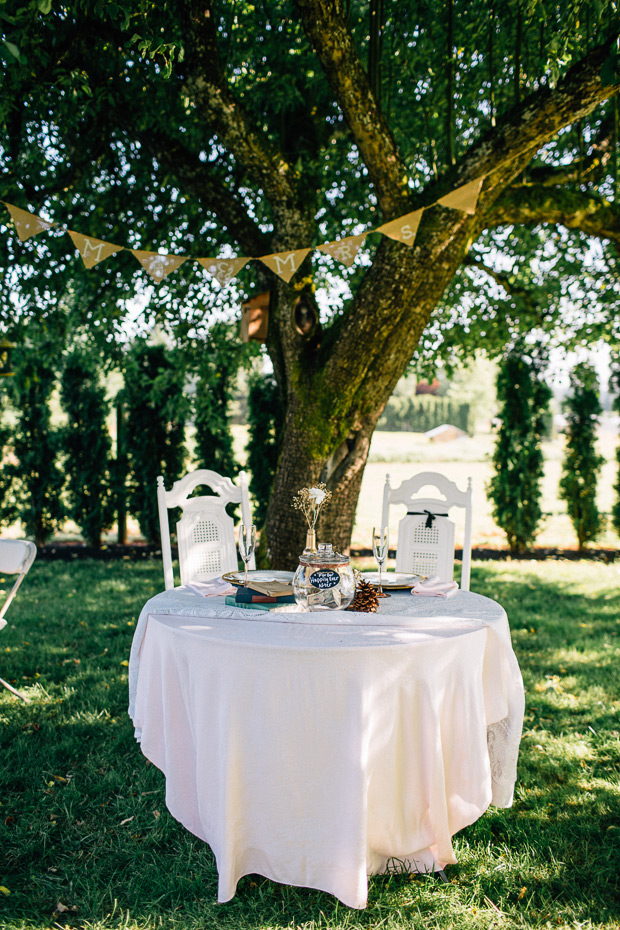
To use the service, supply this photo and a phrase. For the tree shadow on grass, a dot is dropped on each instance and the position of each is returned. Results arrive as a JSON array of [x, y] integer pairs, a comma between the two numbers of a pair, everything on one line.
[[566, 813], [84, 820]]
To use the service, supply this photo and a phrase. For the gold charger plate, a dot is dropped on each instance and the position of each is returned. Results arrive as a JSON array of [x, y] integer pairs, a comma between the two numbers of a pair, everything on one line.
[[237, 578], [395, 581]]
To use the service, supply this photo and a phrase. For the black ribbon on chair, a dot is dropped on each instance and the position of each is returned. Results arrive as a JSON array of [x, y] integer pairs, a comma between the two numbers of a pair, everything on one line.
[[429, 516]]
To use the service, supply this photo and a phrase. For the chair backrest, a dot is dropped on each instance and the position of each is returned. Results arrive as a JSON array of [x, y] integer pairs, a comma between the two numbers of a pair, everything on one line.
[[205, 532], [16, 557], [426, 534]]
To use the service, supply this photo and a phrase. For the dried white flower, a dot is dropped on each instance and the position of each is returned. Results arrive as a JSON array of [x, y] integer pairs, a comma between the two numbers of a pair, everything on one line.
[[311, 501]]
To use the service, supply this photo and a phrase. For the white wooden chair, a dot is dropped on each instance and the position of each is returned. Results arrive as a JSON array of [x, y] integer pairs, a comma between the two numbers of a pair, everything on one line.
[[205, 532], [426, 535], [16, 558]]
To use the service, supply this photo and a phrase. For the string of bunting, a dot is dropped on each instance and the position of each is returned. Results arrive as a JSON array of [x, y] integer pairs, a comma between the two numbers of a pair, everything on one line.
[[284, 264]]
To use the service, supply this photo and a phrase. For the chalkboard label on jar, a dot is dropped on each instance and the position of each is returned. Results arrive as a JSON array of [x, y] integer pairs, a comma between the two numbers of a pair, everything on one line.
[[324, 579]]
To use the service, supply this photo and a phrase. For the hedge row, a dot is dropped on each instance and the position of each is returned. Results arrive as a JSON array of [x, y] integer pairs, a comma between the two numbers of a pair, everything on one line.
[[424, 412]]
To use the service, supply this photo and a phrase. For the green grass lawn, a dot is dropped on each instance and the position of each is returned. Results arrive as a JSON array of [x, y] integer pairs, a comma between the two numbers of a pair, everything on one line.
[[86, 840]]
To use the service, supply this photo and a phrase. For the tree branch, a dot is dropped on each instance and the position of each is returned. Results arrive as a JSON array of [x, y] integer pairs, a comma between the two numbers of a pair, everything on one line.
[[206, 85], [378, 334], [325, 25], [587, 168], [200, 180], [531, 205], [503, 152], [506, 280]]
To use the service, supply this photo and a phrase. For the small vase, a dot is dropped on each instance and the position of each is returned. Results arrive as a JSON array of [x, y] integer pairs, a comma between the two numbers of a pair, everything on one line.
[[311, 541]]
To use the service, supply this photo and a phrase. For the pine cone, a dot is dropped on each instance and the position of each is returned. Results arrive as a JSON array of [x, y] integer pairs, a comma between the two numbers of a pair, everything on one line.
[[365, 600]]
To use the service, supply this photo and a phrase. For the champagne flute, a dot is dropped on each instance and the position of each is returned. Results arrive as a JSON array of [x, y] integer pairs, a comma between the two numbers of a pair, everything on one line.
[[247, 542], [380, 542]]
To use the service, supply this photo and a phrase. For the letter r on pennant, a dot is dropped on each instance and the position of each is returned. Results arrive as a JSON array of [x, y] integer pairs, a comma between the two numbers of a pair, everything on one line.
[[344, 253]]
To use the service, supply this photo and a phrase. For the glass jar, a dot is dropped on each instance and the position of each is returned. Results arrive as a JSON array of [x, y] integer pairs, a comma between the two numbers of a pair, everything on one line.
[[324, 579]]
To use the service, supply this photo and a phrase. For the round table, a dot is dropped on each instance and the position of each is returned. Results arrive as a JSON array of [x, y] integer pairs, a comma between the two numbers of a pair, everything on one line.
[[318, 748]]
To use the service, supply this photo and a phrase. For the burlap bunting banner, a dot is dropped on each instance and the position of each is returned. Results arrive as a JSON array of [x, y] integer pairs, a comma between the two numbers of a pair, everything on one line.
[[463, 198], [159, 266], [93, 251], [344, 250], [403, 229], [223, 269], [284, 264], [27, 224]]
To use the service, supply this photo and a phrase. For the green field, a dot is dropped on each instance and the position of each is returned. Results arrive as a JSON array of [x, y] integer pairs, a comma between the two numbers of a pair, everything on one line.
[[86, 841], [404, 454]]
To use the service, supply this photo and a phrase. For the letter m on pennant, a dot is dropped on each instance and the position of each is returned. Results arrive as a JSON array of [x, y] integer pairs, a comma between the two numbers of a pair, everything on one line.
[[285, 264]]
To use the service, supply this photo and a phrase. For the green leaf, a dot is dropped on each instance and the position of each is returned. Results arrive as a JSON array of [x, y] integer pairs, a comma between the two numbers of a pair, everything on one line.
[[610, 70], [13, 49], [44, 6]]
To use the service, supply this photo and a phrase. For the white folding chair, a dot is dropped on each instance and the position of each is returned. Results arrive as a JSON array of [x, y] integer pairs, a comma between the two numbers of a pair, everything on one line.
[[205, 532], [16, 557], [426, 535]]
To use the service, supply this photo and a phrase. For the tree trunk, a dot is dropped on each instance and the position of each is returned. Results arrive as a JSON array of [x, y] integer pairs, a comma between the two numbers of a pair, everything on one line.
[[342, 473], [336, 393]]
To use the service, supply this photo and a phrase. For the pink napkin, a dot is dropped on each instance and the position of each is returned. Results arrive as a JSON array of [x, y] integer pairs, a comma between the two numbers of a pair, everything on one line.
[[216, 586], [433, 587]]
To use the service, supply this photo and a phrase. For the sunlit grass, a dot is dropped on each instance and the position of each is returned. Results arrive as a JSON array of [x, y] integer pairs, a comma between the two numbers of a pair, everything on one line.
[[86, 840]]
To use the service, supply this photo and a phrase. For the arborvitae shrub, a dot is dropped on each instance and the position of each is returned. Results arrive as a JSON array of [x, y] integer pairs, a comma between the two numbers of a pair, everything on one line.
[[155, 435], [265, 418], [216, 367], [38, 479], [614, 387], [87, 445], [582, 463], [515, 488], [7, 497]]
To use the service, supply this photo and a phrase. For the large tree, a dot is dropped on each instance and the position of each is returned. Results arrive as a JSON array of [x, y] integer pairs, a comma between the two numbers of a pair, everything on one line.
[[197, 125]]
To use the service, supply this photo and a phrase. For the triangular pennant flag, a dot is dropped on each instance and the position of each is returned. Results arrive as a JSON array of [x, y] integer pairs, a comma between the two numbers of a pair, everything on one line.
[[92, 250], [344, 250], [158, 265], [463, 198], [27, 224], [285, 264], [403, 229], [223, 269]]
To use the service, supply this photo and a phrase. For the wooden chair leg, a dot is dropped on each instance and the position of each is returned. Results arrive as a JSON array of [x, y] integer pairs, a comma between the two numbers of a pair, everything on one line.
[[14, 691]]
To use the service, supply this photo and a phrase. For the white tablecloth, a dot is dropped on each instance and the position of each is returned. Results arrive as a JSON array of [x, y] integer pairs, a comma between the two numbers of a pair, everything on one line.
[[316, 749]]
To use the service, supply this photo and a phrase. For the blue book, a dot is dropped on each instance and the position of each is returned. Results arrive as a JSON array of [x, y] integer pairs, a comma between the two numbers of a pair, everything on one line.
[[231, 602], [252, 596]]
